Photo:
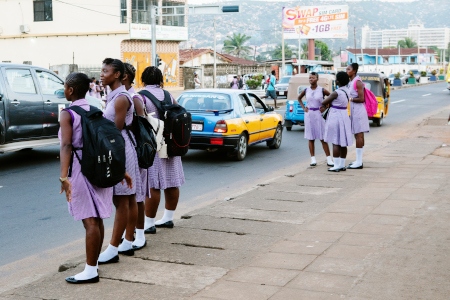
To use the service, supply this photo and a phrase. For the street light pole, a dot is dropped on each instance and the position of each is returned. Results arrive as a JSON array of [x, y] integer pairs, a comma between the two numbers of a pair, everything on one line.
[[153, 24], [214, 71]]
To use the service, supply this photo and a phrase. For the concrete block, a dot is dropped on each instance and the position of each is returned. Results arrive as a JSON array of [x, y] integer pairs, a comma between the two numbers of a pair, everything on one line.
[[339, 266], [385, 219], [229, 290], [361, 239], [312, 236], [329, 226], [380, 229], [289, 246], [287, 293], [282, 261], [263, 276], [350, 251], [322, 282]]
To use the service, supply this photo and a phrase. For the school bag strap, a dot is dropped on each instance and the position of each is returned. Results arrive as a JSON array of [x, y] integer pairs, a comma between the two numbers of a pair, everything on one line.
[[158, 104]]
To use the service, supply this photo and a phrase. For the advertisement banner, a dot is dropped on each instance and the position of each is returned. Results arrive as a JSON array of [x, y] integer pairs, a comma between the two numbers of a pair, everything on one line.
[[315, 22], [163, 33]]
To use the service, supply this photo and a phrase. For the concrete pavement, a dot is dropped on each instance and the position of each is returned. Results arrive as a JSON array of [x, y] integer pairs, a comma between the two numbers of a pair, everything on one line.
[[376, 233]]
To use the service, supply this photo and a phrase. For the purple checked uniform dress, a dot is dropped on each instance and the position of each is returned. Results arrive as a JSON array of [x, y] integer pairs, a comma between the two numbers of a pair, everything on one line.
[[165, 172], [358, 113], [88, 201], [337, 126], [140, 196], [314, 122], [131, 163]]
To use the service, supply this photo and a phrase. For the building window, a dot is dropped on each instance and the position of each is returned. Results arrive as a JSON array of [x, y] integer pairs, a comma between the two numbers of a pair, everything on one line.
[[359, 58], [43, 10], [413, 60], [404, 60], [123, 11], [176, 8], [141, 11]]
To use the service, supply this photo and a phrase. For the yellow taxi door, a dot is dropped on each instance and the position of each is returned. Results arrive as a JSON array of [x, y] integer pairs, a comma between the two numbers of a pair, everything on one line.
[[268, 122], [251, 119]]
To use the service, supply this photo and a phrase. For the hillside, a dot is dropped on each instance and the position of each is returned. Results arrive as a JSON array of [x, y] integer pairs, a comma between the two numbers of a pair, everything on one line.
[[262, 20]]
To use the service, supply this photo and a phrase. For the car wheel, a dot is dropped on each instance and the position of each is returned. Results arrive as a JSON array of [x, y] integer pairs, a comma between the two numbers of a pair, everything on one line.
[[277, 137], [241, 150], [289, 128], [379, 121]]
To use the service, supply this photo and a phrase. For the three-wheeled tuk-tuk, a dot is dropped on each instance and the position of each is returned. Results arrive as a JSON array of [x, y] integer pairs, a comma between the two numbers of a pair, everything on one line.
[[294, 114], [378, 83]]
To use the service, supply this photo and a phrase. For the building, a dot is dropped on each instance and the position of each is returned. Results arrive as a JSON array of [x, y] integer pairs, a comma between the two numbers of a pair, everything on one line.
[[424, 37], [392, 56], [49, 33], [198, 57]]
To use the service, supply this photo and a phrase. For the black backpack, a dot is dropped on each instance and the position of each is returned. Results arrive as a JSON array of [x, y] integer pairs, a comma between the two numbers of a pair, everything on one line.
[[103, 152], [145, 141], [177, 124]]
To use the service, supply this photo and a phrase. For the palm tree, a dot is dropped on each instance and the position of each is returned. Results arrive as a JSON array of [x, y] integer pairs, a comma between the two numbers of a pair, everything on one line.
[[235, 45], [304, 51], [277, 53], [407, 43]]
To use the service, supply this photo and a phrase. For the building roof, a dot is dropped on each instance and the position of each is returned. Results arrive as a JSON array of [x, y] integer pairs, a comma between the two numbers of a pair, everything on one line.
[[391, 51], [238, 60], [189, 54]]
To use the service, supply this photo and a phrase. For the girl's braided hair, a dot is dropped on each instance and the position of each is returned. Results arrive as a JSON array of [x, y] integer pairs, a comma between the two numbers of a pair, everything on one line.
[[116, 64], [79, 82], [130, 70], [151, 76]]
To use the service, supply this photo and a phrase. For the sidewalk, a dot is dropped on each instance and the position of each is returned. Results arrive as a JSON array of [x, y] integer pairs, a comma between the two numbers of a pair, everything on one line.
[[377, 233]]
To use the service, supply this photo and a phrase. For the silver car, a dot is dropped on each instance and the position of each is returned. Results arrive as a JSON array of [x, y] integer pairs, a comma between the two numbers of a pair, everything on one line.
[[282, 86]]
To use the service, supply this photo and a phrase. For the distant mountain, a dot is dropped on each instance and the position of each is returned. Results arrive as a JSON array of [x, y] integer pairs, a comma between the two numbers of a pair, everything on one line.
[[262, 20]]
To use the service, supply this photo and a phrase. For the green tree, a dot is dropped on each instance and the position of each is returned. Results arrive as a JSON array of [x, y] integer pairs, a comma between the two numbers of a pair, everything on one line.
[[278, 52], [235, 45], [325, 52], [304, 51], [407, 43]]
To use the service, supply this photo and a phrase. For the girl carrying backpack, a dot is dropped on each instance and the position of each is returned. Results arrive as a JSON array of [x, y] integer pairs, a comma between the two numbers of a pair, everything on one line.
[[86, 202]]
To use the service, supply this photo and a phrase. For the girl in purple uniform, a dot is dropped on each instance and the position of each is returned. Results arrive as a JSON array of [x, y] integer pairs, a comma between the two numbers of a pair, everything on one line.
[[165, 173], [358, 114], [86, 202], [119, 109], [338, 126], [314, 122], [139, 240]]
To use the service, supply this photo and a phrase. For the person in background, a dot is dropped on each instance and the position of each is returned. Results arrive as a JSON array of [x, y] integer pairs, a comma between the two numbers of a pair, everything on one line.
[[234, 83], [128, 80], [99, 90], [358, 114], [197, 82], [165, 173], [270, 92], [314, 122], [92, 89], [338, 125], [240, 82], [120, 109]]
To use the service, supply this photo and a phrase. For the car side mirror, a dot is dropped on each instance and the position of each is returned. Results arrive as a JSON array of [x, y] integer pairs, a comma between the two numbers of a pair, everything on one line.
[[270, 108]]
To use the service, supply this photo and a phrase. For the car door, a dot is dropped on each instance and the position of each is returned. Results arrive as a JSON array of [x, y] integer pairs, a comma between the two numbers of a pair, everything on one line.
[[250, 118], [3, 98], [24, 106], [268, 124], [52, 90]]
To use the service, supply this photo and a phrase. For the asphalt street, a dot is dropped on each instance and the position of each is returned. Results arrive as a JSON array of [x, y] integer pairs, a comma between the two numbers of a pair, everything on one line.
[[34, 216]]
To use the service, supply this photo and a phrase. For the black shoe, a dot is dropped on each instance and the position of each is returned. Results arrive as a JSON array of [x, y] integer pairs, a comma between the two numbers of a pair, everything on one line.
[[151, 230], [330, 165], [115, 259], [356, 168], [313, 165], [336, 170], [168, 224], [129, 252], [75, 281], [343, 169], [139, 247]]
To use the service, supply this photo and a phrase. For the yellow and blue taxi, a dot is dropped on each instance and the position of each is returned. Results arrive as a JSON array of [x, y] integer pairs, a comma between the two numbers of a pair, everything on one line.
[[230, 120]]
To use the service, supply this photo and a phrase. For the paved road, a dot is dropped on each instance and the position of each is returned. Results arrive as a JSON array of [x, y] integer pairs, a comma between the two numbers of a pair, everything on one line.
[[34, 216]]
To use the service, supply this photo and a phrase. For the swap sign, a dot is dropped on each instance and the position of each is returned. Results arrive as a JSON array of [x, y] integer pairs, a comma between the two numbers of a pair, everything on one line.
[[315, 22]]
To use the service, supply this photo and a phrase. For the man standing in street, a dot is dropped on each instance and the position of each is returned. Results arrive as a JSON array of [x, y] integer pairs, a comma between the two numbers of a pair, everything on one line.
[[271, 89], [240, 82]]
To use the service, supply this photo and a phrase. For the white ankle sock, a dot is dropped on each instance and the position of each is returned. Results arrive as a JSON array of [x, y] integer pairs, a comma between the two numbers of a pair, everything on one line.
[[125, 245], [313, 160], [330, 160], [109, 253], [336, 164], [139, 241], [149, 222], [88, 273], [359, 156], [168, 216], [342, 163]]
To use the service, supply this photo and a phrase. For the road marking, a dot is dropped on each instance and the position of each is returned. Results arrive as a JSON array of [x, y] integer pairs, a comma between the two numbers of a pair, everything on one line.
[[426, 95], [398, 101]]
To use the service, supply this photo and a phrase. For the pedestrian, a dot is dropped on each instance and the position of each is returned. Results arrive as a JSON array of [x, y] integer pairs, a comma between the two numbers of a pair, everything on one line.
[[165, 173], [85, 201], [338, 124], [263, 82], [234, 83], [119, 109], [240, 82], [358, 114], [139, 240], [92, 89], [99, 90], [314, 122], [197, 82], [270, 92]]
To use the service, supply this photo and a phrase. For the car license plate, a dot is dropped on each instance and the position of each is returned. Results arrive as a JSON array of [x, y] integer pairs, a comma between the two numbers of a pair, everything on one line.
[[197, 127], [282, 93]]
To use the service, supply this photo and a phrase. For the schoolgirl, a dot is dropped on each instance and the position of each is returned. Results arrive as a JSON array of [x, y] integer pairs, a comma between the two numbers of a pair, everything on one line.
[[128, 80], [165, 173], [358, 114], [314, 122], [86, 202], [119, 109], [338, 125]]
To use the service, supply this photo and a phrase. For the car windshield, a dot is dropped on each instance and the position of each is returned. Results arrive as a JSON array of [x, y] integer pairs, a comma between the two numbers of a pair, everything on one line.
[[284, 80], [205, 101], [391, 76]]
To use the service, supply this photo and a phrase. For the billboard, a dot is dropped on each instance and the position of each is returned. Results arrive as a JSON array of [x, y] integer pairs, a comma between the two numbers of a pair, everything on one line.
[[315, 22], [163, 33]]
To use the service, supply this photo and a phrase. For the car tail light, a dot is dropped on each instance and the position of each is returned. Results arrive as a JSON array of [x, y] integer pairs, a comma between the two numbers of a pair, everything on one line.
[[221, 127], [291, 108], [216, 141]]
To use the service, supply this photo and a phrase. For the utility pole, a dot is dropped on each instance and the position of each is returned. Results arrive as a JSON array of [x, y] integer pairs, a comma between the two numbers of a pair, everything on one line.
[[153, 24], [282, 53], [354, 36], [214, 72]]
